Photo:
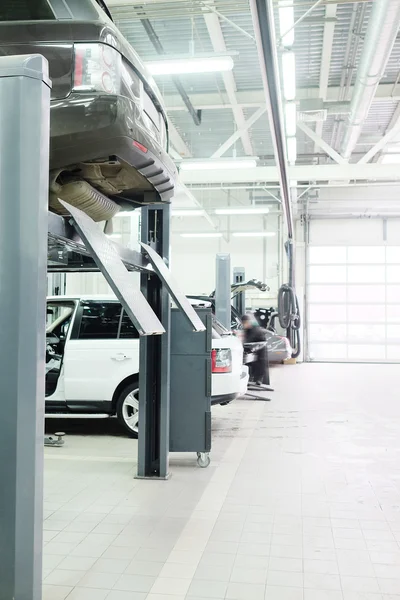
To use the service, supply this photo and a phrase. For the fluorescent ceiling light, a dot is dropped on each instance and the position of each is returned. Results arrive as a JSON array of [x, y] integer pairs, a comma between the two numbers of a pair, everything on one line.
[[201, 235], [242, 211], [390, 159], [187, 213], [254, 234], [218, 163], [289, 75], [114, 236], [286, 22], [290, 119], [291, 149], [181, 66]]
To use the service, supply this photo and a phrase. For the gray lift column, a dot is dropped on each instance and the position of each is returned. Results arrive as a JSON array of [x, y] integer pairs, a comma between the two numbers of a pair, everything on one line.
[[223, 289], [24, 171]]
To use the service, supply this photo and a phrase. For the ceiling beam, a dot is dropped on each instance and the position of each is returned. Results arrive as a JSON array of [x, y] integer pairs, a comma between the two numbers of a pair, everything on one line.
[[218, 42], [392, 131], [321, 143], [177, 141], [327, 46], [235, 136], [256, 98], [301, 173]]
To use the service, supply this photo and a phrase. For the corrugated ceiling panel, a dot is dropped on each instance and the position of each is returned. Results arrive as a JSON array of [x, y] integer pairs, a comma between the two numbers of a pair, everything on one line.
[[216, 127]]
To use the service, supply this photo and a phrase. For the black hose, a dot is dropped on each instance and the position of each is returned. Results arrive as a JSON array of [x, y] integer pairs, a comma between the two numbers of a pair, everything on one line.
[[289, 316]]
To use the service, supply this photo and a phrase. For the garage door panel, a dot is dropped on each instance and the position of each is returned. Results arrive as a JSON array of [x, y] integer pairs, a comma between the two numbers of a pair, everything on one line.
[[393, 352], [328, 255], [366, 254], [327, 293], [353, 294], [366, 274], [393, 294], [328, 351], [393, 333], [393, 254], [393, 273], [366, 333], [328, 274], [367, 294], [332, 332], [366, 313], [393, 313], [366, 352], [328, 313]]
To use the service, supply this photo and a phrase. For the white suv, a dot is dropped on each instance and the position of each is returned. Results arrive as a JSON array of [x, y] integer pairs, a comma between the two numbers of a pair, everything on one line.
[[92, 361]]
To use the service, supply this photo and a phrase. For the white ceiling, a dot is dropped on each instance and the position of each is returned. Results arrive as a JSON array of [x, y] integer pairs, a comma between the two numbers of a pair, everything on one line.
[[329, 45]]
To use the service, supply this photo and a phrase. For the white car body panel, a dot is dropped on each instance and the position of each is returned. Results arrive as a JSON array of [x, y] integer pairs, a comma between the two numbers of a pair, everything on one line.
[[93, 368]]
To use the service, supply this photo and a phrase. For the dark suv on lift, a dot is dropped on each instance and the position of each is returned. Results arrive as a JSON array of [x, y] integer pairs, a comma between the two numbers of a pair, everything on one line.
[[109, 135]]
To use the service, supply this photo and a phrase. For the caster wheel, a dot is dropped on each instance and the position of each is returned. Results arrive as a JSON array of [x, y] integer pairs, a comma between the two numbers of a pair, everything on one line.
[[203, 460]]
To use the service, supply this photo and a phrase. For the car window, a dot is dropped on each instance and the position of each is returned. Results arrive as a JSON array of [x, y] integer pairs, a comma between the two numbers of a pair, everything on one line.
[[128, 330], [100, 320], [59, 317], [25, 10]]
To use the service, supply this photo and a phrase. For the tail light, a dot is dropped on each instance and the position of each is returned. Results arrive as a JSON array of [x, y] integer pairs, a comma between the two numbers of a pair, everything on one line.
[[97, 68], [221, 360]]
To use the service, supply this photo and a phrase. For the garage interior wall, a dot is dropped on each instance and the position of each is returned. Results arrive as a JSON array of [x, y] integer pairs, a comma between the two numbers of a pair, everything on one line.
[[351, 278], [193, 259]]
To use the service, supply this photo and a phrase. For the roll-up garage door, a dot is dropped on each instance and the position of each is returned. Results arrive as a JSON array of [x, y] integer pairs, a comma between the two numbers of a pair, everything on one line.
[[353, 294]]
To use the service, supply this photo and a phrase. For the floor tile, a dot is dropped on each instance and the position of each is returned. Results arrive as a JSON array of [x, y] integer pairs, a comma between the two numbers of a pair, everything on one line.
[[118, 595], [285, 579], [94, 579], [140, 567], [283, 593], [245, 591], [207, 589], [213, 572], [285, 564], [62, 577], [318, 581], [310, 594], [80, 593], [360, 584], [134, 583], [249, 575], [170, 585], [56, 592]]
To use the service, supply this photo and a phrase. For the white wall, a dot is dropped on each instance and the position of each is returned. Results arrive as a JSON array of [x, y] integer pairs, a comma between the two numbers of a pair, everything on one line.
[[193, 259]]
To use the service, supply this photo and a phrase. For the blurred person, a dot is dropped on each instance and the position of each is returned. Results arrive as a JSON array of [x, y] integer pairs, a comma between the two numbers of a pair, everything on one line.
[[254, 334]]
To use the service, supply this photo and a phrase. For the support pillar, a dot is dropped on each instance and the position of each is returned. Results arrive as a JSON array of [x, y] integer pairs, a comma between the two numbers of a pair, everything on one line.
[[24, 172], [223, 290], [154, 371]]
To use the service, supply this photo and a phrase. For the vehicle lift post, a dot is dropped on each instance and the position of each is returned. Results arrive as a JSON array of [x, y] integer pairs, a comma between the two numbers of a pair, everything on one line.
[[154, 369], [239, 301], [223, 290], [24, 173]]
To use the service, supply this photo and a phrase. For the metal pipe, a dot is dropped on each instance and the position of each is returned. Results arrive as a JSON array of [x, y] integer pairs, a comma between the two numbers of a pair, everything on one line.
[[263, 20], [381, 34]]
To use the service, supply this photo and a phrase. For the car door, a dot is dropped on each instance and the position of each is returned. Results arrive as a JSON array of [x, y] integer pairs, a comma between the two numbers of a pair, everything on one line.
[[101, 353], [59, 324]]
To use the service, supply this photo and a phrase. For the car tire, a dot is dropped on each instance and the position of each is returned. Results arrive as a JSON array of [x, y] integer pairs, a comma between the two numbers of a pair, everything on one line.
[[127, 409]]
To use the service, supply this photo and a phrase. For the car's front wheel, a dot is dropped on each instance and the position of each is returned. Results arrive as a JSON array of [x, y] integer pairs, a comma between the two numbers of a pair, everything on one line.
[[128, 409]]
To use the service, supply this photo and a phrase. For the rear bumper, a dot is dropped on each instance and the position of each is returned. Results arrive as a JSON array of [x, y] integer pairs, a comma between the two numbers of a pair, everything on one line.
[[86, 127], [223, 399]]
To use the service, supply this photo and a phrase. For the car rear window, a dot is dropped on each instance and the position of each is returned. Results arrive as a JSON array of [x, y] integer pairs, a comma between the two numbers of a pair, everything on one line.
[[25, 10]]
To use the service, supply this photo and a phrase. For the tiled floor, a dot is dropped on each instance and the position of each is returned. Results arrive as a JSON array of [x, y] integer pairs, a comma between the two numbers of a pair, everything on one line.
[[301, 501]]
